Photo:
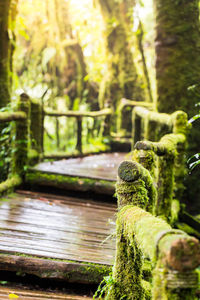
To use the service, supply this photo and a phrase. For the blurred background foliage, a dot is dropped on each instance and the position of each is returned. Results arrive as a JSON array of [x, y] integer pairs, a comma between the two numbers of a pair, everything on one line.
[[61, 57]]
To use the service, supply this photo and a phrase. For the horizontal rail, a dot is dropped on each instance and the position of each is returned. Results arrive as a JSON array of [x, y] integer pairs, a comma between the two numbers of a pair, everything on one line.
[[156, 239], [12, 116], [167, 144], [127, 102], [78, 114], [160, 118]]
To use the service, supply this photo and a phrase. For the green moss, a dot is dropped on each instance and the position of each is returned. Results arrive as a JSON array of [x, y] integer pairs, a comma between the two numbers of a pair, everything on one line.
[[8, 185], [136, 185], [127, 273], [67, 182], [83, 271], [21, 145]]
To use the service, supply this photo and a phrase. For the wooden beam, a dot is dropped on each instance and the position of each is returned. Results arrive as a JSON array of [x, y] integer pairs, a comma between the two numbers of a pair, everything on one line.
[[75, 114], [12, 116]]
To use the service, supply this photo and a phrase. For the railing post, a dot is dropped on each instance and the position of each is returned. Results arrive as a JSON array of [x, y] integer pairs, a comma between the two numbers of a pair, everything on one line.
[[136, 128], [174, 276], [21, 143], [79, 134], [36, 127], [134, 187]]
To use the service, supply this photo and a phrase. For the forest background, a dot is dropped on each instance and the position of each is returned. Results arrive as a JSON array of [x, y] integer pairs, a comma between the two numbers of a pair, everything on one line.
[[87, 55]]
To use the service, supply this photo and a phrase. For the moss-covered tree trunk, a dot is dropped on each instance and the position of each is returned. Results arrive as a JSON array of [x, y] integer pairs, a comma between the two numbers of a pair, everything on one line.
[[178, 66], [75, 70], [4, 53], [122, 78]]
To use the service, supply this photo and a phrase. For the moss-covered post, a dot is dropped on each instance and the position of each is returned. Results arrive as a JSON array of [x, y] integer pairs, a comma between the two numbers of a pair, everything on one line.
[[180, 126], [136, 128], [174, 277], [134, 187], [79, 134], [165, 185], [36, 128], [21, 144]]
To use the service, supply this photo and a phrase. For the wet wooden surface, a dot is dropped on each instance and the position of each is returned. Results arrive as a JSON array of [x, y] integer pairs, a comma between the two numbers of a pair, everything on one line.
[[24, 294], [102, 166], [58, 227]]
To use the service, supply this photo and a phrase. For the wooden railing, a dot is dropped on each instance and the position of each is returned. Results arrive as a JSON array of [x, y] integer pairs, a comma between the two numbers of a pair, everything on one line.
[[153, 260], [19, 153], [130, 103], [78, 115]]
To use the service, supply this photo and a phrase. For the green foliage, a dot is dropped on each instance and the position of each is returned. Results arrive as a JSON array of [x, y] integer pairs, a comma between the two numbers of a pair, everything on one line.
[[5, 147], [106, 284], [194, 160]]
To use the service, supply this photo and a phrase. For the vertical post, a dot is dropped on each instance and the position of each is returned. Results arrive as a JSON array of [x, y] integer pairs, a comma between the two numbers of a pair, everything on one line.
[[20, 156], [136, 128], [79, 134], [57, 133], [174, 276], [36, 126], [165, 185]]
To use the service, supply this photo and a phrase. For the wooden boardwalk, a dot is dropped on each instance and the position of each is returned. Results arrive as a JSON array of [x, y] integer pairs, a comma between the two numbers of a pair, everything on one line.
[[56, 236], [96, 173]]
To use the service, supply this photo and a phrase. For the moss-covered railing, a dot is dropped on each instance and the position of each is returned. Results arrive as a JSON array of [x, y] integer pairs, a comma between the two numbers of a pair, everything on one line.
[[124, 103], [78, 115], [162, 152], [19, 157], [153, 261]]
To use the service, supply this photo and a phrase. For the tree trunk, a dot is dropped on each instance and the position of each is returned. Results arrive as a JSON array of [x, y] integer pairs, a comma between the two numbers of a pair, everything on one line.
[[122, 79], [178, 65], [13, 15], [75, 70], [4, 53]]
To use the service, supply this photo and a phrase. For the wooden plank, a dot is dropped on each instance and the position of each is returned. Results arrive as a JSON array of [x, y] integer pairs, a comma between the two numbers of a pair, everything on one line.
[[102, 166], [26, 294], [55, 269], [51, 229]]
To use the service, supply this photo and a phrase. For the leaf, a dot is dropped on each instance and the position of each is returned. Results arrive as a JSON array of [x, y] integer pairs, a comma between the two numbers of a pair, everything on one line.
[[13, 296], [194, 118], [3, 282], [194, 164], [48, 53]]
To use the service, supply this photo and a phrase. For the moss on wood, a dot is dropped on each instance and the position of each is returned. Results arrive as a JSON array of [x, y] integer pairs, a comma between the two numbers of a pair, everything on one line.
[[20, 156], [12, 116], [10, 184], [136, 185], [70, 183], [36, 126]]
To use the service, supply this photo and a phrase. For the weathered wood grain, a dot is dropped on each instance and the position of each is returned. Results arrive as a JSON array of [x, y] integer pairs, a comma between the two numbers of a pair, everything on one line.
[[56, 236]]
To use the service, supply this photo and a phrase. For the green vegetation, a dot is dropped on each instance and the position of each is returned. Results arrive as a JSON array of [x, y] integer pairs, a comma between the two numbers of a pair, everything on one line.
[[64, 69]]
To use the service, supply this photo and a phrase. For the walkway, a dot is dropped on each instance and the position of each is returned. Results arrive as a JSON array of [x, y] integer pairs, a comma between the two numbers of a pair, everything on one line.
[[56, 236]]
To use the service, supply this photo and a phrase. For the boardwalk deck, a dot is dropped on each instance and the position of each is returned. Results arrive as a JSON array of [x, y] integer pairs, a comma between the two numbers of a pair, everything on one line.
[[56, 236], [96, 173]]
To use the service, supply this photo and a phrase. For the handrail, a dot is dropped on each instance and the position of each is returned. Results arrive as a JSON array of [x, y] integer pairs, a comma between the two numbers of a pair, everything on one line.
[[173, 254], [78, 115], [152, 123], [12, 116], [131, 103], [20, 144]]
